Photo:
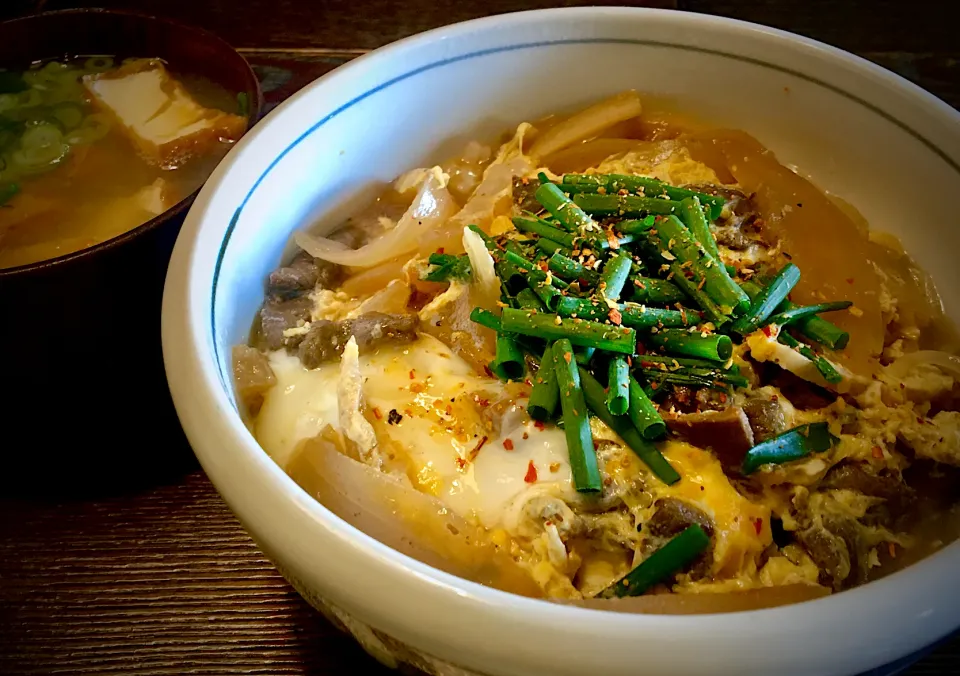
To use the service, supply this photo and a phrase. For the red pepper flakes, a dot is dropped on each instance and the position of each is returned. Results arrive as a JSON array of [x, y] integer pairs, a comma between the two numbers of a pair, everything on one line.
[[767, 331], [892, 548], [554, 466], [539, 425], [417, 388], [849, 280], [508, 444], [722, 398], [877, 452], [531, 476], [488, 372], [440, 250], [461, 464], [615, 316], [526, 435], [641, 348], [413, 374], [377, 414], [629, 360], [567, 357], [596, 445], [758, 525]]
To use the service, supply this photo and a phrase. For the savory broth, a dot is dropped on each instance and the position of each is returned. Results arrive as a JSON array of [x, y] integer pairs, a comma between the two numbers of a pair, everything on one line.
[[377, 372], [86, 179]]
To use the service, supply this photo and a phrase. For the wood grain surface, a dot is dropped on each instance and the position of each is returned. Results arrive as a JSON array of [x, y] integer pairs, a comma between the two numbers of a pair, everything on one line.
[[160, 578]]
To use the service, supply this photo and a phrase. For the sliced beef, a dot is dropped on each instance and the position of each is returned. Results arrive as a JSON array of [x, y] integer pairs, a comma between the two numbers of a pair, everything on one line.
[[766, 418], [302, 275], [685, 399], [277, 316], [727, 433], [325, 340], [860, 477], [830, 552], [523, 194], [672, 517]]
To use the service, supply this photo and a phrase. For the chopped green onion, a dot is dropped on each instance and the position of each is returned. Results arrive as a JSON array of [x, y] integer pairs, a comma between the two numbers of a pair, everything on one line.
[[692, 216], [713, 346], [539, 228], [528, 300], [648, 360], [652, 290], [647, 452], [791, 445], [508, 364], [569, 215], [818, 329], [676, 243], [550, 247], [643, 414], [487, 239], [544, 396], [570, 269], [674, 556], [614, 276], [636, 227], [627, 205], [485, 318], [549, 293], [788, 316], [583, 355], [650, 187], [618, 385], [634, 315], [767, 300], [693, 289], [552, 327], [447, 267], [576, 425], [824, 366]]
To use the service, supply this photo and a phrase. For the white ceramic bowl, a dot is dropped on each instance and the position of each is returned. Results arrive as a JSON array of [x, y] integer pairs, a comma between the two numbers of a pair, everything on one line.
[[858, 130]]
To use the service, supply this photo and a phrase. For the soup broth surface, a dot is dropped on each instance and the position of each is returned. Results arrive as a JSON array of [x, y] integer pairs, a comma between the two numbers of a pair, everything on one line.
[[70, 177]]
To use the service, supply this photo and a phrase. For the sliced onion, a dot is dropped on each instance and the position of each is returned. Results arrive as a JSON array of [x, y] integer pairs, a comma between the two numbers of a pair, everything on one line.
[[432, 206], [946, 362], [485, 289], [588, 123], [411, 522]]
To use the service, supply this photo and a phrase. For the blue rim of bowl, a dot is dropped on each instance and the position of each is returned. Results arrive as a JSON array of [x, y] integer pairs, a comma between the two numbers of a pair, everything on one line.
[[890, 669]]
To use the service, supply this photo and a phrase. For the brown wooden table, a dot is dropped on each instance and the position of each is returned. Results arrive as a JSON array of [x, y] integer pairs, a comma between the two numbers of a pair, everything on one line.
[[161, 579]]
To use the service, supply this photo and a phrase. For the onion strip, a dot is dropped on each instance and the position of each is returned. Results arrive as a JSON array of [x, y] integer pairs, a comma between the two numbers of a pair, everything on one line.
[[588, 123], [432, 206]]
